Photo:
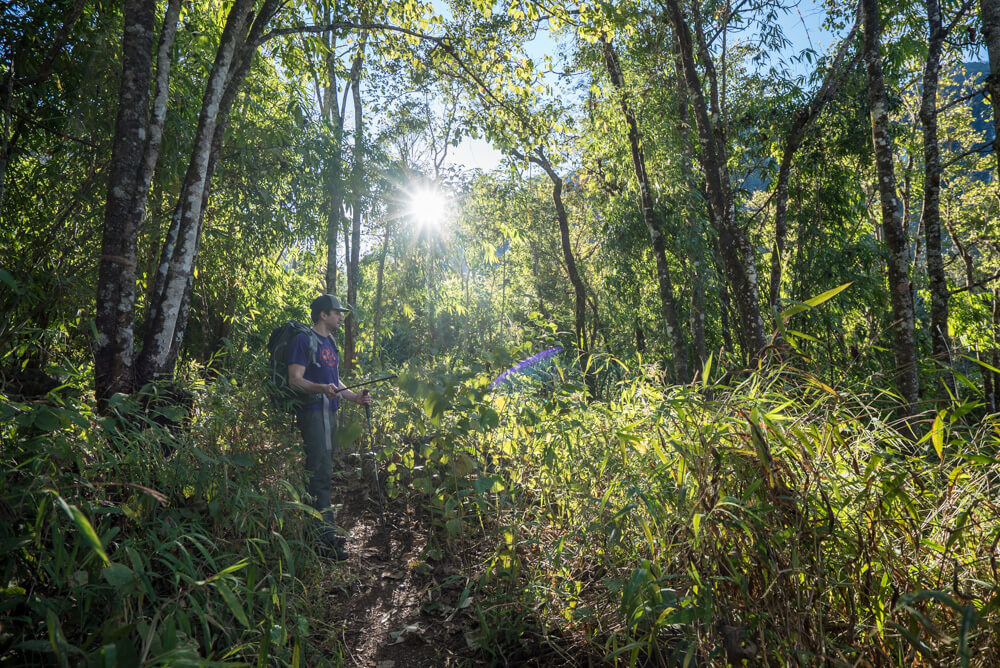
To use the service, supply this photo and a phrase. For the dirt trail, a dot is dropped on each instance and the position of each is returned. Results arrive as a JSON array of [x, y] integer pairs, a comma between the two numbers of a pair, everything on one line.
[[391, 603]]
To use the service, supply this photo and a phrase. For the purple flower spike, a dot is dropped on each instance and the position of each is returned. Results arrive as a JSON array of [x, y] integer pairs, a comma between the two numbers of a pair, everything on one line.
[[524, 365]]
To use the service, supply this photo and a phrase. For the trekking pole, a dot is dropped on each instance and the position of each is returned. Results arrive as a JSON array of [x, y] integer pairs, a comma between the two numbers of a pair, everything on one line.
[[371, 451], [374, 381]]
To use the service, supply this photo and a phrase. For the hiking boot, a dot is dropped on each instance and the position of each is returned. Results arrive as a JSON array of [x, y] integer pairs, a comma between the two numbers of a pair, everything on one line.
[[333, 548]]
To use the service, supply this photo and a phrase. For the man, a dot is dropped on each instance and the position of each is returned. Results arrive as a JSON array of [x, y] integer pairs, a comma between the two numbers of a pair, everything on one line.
[[313, 369]]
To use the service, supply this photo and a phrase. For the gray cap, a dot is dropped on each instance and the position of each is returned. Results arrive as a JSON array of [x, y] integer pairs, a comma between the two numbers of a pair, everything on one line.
[[325, 303]]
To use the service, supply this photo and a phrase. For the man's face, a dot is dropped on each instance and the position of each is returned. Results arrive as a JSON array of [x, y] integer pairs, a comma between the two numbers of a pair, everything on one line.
[[333, 319]]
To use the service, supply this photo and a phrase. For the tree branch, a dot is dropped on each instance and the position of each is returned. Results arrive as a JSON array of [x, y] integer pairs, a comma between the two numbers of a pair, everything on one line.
[[961, 99], [966, 6], [348, 25], [57, 45], [975, 149], [32, 122], [972, 286]]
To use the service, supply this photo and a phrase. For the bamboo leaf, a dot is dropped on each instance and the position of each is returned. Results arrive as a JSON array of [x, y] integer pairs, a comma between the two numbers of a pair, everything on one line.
[[234, 605], [968, 623], [937, 434], [85, 527], [814, 301], [829, 294], [982, 364]]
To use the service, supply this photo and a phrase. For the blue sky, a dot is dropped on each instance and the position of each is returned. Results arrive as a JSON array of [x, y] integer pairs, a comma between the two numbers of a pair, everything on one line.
[[802, 25]]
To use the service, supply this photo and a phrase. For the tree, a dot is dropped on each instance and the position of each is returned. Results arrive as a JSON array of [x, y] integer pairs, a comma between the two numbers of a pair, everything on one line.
[[892, 225], [357, 173], [990, 14], [802, 119], [670, 320], [738, 257], [244, 32], [134, 155], [930, 216]]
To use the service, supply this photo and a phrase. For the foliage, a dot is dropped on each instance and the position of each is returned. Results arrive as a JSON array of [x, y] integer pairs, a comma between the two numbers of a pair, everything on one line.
[[642, 525], [773, 504], [152, 535]]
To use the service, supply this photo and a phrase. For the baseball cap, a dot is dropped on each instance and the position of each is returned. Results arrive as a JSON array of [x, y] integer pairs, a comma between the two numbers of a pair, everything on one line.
[[328, 303]]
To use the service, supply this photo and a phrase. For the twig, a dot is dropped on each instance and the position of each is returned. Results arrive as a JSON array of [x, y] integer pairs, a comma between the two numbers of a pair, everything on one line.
[[961, 99], [31, 121], [978, 284], [975, 149]]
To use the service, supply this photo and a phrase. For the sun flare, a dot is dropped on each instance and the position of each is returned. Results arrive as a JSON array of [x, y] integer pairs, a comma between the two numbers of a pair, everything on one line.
[[428, 208]]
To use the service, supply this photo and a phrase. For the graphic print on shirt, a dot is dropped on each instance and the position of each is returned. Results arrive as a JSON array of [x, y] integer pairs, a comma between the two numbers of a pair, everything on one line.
[[327, 357]]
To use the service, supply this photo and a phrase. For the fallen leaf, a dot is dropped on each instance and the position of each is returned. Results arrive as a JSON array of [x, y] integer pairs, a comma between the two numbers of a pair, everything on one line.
[[474, 638], [411, 633], [398, 575]]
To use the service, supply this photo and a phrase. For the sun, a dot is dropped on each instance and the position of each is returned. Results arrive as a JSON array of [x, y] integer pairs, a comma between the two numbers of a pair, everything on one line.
[[428, 208]]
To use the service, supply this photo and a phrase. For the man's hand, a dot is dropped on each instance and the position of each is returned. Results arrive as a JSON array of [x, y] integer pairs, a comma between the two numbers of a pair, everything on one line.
[[330, 390], [357, 397]]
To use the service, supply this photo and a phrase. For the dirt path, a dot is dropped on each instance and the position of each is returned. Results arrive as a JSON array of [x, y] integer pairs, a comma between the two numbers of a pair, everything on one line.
[[392, 604]]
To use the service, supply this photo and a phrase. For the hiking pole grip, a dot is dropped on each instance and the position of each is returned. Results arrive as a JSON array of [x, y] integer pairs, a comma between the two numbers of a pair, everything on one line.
[[368, 408]]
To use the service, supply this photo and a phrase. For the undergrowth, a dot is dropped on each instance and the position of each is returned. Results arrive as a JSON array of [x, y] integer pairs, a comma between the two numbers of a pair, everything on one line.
[[776, 520], [152, 535]]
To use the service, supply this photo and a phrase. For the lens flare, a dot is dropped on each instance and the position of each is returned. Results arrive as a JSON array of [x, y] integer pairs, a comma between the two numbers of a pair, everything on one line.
[[428, 208]]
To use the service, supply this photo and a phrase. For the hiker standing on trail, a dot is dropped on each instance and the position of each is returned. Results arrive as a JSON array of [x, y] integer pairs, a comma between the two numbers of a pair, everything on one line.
[[313, 369]]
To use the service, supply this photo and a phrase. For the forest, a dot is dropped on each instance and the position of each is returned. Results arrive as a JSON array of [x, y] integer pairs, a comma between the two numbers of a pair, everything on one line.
[[699, 365]]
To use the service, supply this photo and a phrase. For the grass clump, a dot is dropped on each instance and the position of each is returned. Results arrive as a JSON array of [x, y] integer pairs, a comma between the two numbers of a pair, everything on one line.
[[150, 536], [777, 520]]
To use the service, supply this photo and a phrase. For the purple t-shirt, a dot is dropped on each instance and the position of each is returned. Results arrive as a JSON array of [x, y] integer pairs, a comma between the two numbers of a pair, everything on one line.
[[325, 370]]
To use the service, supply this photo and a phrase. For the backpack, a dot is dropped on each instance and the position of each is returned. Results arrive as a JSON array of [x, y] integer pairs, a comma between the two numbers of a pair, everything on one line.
[[278, 343]]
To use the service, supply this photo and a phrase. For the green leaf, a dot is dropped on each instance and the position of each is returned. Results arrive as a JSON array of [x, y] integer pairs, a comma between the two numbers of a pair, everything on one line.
[[937, 434], [814, 301], [965, 628], [982, 364], [46, 420], [10, 282], [118, 575], [454, 527], [234, 605], [85, 527]]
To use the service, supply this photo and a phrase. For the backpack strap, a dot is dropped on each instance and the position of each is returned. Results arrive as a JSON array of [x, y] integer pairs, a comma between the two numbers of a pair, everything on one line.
[[313, 346]]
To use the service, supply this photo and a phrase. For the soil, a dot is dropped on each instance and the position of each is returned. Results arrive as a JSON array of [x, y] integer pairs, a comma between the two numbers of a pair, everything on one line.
[[397, 601]]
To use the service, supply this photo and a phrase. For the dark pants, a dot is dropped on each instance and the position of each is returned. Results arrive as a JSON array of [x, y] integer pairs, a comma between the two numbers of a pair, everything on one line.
[[319, 442]]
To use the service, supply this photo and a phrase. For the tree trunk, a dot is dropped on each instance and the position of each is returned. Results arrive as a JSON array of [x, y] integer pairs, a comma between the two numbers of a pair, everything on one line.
[[169, 309], [669, 309], [737, 256], [357, 180], [6, 108], [892, 225], [725, 302], [332, 160], [996, 349], [579, 291], [696, 231], [802, 119], [113, 359], [931, 214], [379, 281], [990, 11]]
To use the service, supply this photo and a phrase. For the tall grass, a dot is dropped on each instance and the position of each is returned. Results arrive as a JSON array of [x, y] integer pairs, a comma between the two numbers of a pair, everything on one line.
[[124, 542], [778, 519]]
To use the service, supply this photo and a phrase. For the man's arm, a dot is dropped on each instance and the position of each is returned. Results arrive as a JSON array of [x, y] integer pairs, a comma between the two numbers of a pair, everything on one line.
[[351, 395], [297, 381]]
